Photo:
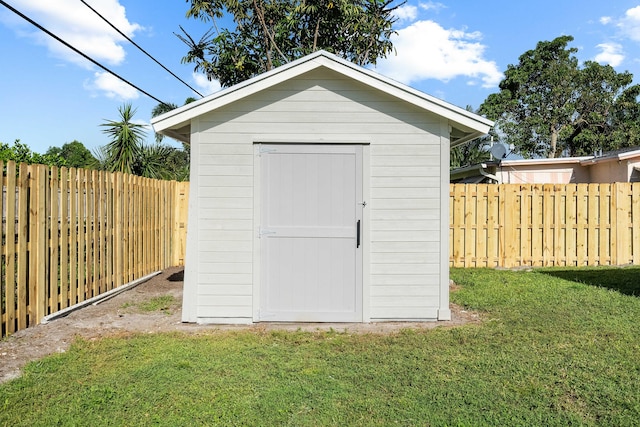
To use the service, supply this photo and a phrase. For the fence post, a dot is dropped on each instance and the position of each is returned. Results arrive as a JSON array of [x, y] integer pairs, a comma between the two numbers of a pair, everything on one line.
[[457, 212], [635, 223], [178, 240], [621, 224], [37, 244], [10, 254], [117, 239], [53, 204], [511, 217], [64, 238], [5, 301]]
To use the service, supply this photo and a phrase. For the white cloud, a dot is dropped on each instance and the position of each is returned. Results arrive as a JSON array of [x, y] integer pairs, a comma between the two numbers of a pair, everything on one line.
[[79, 26], [204, 85], [406, 13], [427, 50], [112, 87], [630, 23], [431, 5], [611, 54]]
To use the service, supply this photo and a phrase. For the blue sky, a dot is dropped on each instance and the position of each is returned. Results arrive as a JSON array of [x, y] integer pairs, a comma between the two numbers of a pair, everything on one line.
[[454, 50]]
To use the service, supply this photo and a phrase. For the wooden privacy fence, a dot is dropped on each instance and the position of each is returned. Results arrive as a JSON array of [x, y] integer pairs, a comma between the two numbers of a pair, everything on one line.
[[71, 234], [512, 225]]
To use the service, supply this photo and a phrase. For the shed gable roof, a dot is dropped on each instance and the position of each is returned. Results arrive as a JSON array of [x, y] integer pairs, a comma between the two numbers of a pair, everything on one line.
[[465, 125]]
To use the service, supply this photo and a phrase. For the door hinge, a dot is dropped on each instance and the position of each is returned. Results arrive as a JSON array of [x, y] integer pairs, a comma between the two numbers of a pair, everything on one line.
[[264, 231], [265, 150]]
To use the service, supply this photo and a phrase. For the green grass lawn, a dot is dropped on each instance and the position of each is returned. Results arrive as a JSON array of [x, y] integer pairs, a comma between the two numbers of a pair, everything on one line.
[[556, 347]]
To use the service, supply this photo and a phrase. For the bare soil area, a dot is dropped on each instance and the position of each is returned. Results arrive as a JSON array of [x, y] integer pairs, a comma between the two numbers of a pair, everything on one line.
[[125, 313]]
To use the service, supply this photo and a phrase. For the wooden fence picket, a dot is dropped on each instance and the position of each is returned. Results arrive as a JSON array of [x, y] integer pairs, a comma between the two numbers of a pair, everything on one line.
[[544, 225], [72, 234], [11, 284]]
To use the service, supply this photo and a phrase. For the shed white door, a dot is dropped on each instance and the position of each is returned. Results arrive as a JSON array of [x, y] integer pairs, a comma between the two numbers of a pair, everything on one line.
[[310, 241]]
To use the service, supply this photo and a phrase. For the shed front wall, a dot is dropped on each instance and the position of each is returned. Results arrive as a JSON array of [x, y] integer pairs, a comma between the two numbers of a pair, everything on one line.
[[405, 156]]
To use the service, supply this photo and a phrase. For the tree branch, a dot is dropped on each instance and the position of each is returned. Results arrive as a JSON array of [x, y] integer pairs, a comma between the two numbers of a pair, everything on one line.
[[263, 22]]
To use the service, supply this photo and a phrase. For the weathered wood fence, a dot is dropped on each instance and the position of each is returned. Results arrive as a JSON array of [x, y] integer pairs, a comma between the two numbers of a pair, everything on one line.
[[512, 225], [71, 234]]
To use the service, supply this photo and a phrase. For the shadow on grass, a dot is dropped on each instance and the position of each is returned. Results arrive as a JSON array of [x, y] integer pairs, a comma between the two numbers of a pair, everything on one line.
[[625, 280]]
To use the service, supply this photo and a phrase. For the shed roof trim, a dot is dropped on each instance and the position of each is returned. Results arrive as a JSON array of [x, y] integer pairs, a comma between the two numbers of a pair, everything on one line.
[[176, 123]]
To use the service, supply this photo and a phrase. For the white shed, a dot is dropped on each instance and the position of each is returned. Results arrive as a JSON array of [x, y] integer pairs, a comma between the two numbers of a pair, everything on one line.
[[319, 193]]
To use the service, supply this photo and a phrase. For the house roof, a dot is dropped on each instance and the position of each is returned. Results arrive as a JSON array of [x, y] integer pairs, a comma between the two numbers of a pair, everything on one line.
[[544, 161], [618, 155], [465, 125], [479, 171]]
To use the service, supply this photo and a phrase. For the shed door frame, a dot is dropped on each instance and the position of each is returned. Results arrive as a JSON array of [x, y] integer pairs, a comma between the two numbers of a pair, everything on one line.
[[363, 263]]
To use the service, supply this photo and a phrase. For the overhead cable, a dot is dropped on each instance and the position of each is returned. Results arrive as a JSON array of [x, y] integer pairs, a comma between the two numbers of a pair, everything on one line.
[[85, 56], [140, 48]]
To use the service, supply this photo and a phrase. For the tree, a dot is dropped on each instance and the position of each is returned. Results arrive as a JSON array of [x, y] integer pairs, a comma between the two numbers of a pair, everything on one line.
[[126, 140], [272, 33], [178, 161], [21, 153], [471, 153], [127, 152], [75, 155], [155, 162], [165, 108], [549, 104]]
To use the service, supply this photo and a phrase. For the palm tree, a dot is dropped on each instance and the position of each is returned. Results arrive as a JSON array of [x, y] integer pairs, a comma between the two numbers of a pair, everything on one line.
[[161, 109], [102, 158], [154, 162], [126, 141], [165, 108]]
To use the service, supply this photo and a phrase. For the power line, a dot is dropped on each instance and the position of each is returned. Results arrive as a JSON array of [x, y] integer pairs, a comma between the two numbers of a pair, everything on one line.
[[140, 48], [85, 56]]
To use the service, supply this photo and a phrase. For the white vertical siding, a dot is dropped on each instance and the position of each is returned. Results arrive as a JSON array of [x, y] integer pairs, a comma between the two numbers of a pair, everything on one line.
[[404, 236]]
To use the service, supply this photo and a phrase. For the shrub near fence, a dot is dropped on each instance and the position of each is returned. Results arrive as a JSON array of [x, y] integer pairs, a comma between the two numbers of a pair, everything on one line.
[[71, 234], [513, 225]]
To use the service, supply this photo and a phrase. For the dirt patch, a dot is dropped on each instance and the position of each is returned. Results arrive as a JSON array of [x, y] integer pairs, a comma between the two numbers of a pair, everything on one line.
[[155, 306]]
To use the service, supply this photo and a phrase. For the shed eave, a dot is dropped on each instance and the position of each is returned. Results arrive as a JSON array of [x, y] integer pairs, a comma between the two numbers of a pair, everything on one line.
[[459, 118], [468, 137]]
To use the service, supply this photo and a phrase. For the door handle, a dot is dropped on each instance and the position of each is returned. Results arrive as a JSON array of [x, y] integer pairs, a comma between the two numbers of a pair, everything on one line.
[[358, 234]]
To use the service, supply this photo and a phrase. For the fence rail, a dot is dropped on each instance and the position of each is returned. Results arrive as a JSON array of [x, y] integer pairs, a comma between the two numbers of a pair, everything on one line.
[[512, 225], [71, 234]]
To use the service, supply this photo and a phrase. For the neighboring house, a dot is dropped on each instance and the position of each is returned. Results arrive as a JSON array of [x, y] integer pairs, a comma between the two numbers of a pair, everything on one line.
[[319, 192], [618, 166]]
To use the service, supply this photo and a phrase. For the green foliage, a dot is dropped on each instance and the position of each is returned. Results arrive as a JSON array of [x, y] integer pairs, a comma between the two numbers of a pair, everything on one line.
[[127, 153], [177, 162], [75, 155], [549, 104], [468, 154], [126, 140], [549, 351], [471, 153], [272, 33], [165, 108], [21, 153], [159, 161]]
